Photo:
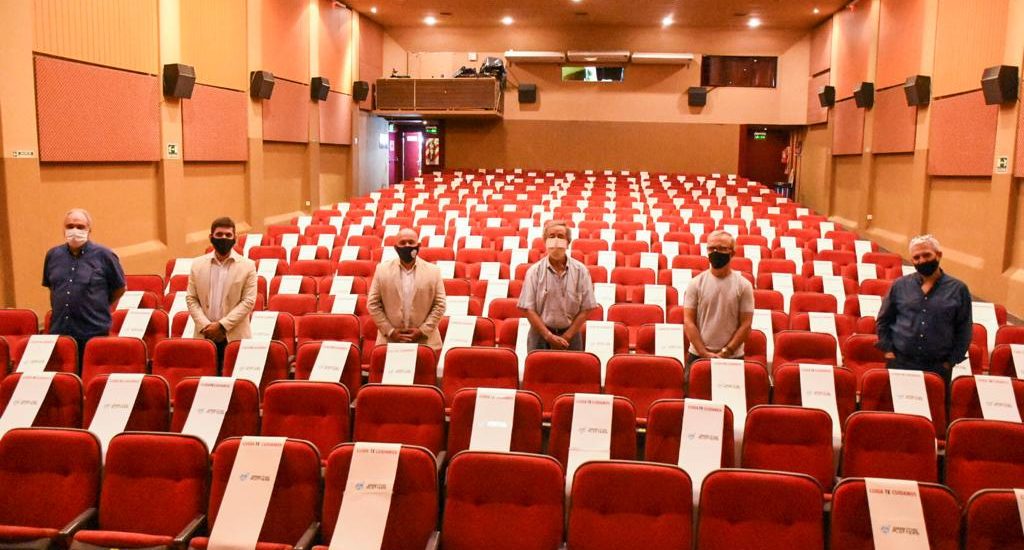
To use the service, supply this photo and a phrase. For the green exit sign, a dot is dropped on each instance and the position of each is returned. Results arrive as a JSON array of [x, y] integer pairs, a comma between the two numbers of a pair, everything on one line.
[[760, 135]]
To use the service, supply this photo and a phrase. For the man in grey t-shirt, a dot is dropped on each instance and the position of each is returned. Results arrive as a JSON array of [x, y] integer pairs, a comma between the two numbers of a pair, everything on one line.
[[718, 306]]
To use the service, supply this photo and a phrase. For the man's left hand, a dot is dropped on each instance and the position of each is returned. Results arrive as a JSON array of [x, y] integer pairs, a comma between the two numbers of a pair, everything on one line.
[[214, 331], [413, 334]]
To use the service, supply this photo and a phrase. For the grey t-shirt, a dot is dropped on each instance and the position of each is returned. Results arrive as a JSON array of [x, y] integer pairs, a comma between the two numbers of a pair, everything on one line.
[[719, 303]]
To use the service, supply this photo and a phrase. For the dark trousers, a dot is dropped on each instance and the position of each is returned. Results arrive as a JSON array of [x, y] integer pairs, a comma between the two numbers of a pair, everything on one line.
[[81, 341], [905, 362], [221, 346], [534, 340]]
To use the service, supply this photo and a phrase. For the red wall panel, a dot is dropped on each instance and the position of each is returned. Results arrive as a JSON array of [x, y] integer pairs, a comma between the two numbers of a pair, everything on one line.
[[214, 124], [95, 114], [847, 128], [962, 136], [895, 122], [286, 113], [336, 119]]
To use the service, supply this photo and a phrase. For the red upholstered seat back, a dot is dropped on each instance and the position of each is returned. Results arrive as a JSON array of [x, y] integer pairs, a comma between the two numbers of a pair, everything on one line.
[[62, 406], [984, 454], [410, 415], [526, 422], [152, 409], [242, 416], [317, 412], [623, 436], [851, 520]]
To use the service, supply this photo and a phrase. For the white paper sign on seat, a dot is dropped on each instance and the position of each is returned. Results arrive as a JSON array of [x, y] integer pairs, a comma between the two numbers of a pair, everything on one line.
[[833, 284], [367, 499], [783, 284], [400, 363], [493, 414], [729, 386], [459, 334], [456, 306], [210, 404], [522, 347], [604, 295], [591, 435], [656, 295], [25, 401], [263, 323], [897, 517], [290, 284], [700, 442], [998, 401], [762, 321], [330, 361], [601, 342], [909, 395], [130, 299], [869, 305], [825, 323], [247, 495], [818, 391], [37, 353], [343, 304], [496, 288], [136, 321], [115, 406], [984, 314], [341, 284], [251, 360]]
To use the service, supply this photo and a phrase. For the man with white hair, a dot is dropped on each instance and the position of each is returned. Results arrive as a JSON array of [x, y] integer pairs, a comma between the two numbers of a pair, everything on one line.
[[84, 278], [925, 322], [718, 305]]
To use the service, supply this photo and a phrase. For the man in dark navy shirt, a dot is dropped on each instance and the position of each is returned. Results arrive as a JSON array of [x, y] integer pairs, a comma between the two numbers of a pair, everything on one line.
[[925, 322], [84, 279]]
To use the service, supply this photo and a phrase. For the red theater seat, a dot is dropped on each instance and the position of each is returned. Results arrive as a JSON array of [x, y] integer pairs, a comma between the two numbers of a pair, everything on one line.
[[889, 445], [551, 373], [644, 380], [526, 422], [479, 367], [623, 429], [851, 520], [426, 365], [151, 411], [876, 395], [983, 454], [664, 429], [410, 415], [177, 359], [317, 412], [62, 406], [790, 439], [63, 359], [243, 413], [990, 521], [111, 354]]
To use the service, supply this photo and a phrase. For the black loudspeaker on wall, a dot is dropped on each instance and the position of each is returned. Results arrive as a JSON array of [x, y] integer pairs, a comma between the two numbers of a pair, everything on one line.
[[918, 89], [179, 80], [319, 87], [527, 93], [827, 96], [697, 96], [261, 84], [864, 95], [360, 90], [1000, 84]]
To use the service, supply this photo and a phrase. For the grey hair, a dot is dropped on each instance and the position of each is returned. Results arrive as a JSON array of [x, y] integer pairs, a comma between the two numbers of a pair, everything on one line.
[[85, 214], [926, 239], [558, 223], [721, 232]]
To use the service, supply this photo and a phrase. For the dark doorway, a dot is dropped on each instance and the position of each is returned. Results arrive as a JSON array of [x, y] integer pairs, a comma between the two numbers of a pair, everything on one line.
[[762, 151], [415, 147]]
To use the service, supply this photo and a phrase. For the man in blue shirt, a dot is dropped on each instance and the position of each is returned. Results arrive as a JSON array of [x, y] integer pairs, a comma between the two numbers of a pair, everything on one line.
[[925, 322], [84, 279]]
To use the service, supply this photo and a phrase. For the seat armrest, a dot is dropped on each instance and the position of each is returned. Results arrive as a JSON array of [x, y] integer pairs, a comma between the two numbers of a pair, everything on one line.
[[185, 536], [306, 542], [84, 519], [441, 456], [434, 540]]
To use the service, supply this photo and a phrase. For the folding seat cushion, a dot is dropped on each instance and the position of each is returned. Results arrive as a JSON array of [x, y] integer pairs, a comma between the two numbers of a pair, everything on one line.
[[787, 389], [410, 415], [50, 477], [503, 501], [62, 406], [152, 409], [241, 418], [479, 367], [790, 439], [851, 518], [426, 365], [327, 326], [983, 454], [623, 436], [526, 422], [756, 509], [991, 519], [755, 379], [317, 412], [154, 490], [156, 331], [294, 507], [876, 395], [889, 445], [550, 373], [111, 354], [351, 374], [64, 357], [177, 359], [275, 368], [644, 380], [413, 513], [964, 401], [617, 505]]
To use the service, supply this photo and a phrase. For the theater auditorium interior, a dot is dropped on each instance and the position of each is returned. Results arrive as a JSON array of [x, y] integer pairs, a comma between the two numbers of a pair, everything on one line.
[[817, 155]]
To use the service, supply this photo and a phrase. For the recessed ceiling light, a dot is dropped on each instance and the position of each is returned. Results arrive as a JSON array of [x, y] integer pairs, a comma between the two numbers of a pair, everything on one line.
[[430, 20], [816, 11], [576, 1], [373, 9], [507, 20], [666, 21], [754, 22]]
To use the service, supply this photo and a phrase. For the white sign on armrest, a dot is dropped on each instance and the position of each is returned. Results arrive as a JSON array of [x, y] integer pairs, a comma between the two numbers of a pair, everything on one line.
[[367, 498], [251, 360], [37, 353], [591, 435], [247, 496], [601, 342], [135, 323], [700, 442], [818, 391], [897, 517], [330, 361], [400, 363], [825, 323], [263, 323], [604, 295], [25, 401], [783, 284], [656, 295], [115, 407], [459, 335], [669, 341], [210, 404], [762, 321], [290, 284], [341, 284], [130, 299], [909, 395], [998, 401], [984, 314], [492, 420], [869, 304], [497, 288], [522, 345]]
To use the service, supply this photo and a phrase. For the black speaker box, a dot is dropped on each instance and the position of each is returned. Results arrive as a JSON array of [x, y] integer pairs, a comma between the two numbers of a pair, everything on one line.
[[360, 90], [918, 89], [527, 93], [827, 96], [864, 95], [1000, 84], [179, 80], [697, 96], [319, 87], [261, 84]]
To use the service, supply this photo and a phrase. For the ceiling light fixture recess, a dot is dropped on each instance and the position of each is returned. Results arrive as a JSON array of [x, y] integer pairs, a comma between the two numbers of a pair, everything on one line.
[[666, 21], [754, 22], [507, 20], [373, 9], [430, 20]]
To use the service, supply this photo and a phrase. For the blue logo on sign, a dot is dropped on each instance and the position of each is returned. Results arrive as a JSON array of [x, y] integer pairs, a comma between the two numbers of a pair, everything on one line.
[[886, 529], [244, 476]]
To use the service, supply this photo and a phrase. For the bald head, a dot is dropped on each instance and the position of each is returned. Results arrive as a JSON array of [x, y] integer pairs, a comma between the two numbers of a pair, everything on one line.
[[407, 237], [78, 218]]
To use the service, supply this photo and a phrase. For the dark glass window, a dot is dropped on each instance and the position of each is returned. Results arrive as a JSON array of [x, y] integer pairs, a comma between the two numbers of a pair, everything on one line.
[[738, 71]]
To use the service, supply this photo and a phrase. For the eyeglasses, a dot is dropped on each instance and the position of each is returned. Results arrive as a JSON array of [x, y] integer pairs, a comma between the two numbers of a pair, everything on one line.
[[723, 249]]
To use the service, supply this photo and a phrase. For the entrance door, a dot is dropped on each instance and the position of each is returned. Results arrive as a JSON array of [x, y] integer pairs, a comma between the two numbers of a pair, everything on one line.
[[761, 154], [412, 154]]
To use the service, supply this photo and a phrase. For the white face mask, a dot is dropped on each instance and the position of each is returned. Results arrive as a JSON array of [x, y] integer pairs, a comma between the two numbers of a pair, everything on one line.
[[76, 237], [555, 242]]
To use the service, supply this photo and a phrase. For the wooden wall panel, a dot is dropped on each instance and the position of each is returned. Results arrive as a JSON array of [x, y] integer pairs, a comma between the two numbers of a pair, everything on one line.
[[213, 40], [336, 119], [371, 55], [214, 189], [286, 113], [895, 122], [847, 128], [894, 176], [1018, 229], [1019, 162], [962, 136], [900, 37], [813, 179], [960, 216], [285, 29], [334, 173], [854, 32], [821, 47], [969, 37], [847, 188], [284, 179], [113, 33], [815, 112], [334, 51], [214, 124], [89, 113]]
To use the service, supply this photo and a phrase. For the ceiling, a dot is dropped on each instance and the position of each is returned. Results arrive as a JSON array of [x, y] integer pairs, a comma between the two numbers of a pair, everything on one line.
[[774, 14]]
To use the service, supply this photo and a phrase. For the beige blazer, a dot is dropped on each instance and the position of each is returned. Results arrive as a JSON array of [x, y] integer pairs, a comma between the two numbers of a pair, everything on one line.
[[384, 301], [239, 297]]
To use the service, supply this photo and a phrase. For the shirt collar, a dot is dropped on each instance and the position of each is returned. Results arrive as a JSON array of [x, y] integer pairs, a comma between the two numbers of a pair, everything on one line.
[[232, 257], [85, 248]]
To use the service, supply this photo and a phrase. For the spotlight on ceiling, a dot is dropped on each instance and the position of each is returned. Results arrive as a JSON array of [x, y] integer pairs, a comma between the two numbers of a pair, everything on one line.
[[754, 22], [430, 20]]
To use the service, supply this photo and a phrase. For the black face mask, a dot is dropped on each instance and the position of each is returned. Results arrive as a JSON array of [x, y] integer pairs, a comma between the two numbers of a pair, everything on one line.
[[222, 246], [719, 259], [927, 268], [407, 253]]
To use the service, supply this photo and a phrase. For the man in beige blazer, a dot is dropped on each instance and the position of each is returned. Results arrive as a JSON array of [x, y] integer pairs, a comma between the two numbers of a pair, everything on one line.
[[406, 298], [222, 289]]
